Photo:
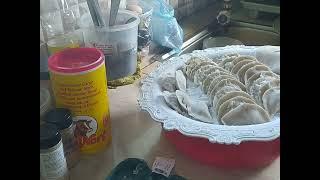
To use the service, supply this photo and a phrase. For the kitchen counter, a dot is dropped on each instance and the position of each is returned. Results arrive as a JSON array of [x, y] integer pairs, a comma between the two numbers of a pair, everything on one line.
[[136, 135]]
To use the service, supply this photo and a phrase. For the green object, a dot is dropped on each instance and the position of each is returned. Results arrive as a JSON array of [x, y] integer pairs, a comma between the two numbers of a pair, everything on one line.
[[137, 169], [126, 80]]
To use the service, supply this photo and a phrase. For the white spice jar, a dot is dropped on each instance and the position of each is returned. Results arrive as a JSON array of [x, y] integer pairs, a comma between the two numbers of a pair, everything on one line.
[[53, 164]]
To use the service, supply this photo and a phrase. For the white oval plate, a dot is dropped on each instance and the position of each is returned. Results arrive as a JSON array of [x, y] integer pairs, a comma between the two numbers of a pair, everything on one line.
[[150, 99]]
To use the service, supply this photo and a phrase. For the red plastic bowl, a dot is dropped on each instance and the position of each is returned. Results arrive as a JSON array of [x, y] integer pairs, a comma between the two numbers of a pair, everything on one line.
[[249, 154]]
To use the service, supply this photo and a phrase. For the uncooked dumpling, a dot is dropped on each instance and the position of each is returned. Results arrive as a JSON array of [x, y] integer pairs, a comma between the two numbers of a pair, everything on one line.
[[245, 114], [258, 75], [271, 100], [201, 73], [237, 66], [215, 81], [181, 81], [231, 104], [172, 101], [254, 70], [270, 84], [243, 57], [244, 68], [270, 56], [229, 96], [207, 81], [198, 66], [254, 89], [168, 83], [199, 110], [183, 99], [227, 62], [190, 64], [225, 82], [223, 91]]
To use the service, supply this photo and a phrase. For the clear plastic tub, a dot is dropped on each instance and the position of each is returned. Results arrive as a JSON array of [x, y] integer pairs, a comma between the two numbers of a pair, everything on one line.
[[145, 29], [45, 103], [118, 43]]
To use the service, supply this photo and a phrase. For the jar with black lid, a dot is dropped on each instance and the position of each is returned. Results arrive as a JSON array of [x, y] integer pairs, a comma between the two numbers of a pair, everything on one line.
[[53, 163], [62, 118]]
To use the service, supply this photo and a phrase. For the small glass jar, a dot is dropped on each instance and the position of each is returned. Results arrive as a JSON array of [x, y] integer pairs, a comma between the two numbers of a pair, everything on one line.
[[53, 163], [45, 103], [62, 118]]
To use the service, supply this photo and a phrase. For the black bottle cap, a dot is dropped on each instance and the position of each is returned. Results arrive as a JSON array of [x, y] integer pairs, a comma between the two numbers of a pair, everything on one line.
[[61, 117], [49, 136]]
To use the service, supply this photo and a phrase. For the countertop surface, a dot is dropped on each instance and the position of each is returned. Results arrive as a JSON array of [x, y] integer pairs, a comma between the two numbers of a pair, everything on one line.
[[136, 135]]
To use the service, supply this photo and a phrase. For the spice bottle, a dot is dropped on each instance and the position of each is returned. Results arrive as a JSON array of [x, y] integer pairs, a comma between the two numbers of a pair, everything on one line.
[[62, 118], [53, 163]]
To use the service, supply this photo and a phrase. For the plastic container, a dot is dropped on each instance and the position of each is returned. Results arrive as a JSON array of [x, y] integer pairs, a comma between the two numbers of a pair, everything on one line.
[[145, 29], [118, 43], [78, 79], [70, 40], [220, 42], [45, 103]]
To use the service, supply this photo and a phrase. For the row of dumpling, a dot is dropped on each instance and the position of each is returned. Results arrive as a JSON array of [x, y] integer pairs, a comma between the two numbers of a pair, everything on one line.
[[174, 94], [261, 83], [230, 101]]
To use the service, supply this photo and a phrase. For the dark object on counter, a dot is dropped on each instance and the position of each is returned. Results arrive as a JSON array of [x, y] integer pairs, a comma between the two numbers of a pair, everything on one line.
[[144, 38], [137, 169], [134, 169], [53, 163], [155, 176], [62, 119]]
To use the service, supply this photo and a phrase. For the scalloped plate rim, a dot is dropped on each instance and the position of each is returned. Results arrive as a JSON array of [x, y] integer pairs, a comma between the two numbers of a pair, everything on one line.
[[227, 138]]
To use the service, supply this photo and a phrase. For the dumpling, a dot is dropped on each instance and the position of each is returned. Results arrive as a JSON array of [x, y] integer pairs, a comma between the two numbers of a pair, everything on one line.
[[229, 96], [183, 99], [215, 81], [259, 75], [254, 70], [199, 110], [226, 61], [231, 104], [240, 64], [245, 114], [213, 69], [270, 56], [271, 100], [270, 84], [168, 83], [181, 81], [190, 65], [198, 66], [254, 89], [225, 82], [244, 68], [207, 81], [243, 57], [223, 91], [172, 101], [201, 73]]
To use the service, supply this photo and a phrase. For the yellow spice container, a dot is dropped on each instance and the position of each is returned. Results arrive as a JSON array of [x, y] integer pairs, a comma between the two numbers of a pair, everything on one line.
[[79, 83]]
